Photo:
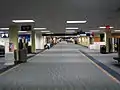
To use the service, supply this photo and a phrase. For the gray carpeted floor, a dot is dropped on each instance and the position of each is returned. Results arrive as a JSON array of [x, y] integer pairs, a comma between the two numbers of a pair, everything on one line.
[[62, 67]]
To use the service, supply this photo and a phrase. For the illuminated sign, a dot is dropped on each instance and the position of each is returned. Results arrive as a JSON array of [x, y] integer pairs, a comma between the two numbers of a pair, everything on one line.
[[26, 28]]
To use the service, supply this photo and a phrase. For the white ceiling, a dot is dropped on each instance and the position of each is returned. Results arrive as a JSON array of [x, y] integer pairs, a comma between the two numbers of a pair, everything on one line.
[[53, 14]]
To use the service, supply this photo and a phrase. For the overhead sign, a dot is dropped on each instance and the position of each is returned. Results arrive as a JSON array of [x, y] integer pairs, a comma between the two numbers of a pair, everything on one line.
[[107, 27], [26, 28]]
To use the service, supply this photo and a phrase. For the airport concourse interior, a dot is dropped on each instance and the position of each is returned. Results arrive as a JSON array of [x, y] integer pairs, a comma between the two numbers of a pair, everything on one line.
[[60, 45]]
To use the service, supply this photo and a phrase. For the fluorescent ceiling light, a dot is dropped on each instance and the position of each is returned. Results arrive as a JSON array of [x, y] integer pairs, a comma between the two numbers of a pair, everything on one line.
[[22, 31], [102, 27], [4, 28], [94, 30], [49, 33], [40, 28], [76, 21], [23, 21], [71, 28], [117, 30], [111, 27], [45, 31], [67, 36], [82, 34], [105, 27]]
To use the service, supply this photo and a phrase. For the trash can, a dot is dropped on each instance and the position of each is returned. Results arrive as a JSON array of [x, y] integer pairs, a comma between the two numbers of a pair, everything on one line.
[[15, 55], [23, 55], [75, 42], [29, 49], [103, 49]]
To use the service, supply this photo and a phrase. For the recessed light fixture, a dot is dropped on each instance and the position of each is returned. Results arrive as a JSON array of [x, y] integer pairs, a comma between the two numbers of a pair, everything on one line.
[[102, 27], [45, 31], [23, 21], [40, 28], [76, 21], [72, 28], [67, 36], [87, 32], [69, 31], [94, 30], [105, 27], [4, 28], [22, 31], [117, 30], [49, 33]]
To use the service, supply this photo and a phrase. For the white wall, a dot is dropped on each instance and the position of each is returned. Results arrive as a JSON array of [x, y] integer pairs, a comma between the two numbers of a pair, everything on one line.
[[96, 45], [3, 40]]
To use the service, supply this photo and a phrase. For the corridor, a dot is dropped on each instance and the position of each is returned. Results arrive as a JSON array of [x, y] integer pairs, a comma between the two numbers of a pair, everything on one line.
[[62, 67]]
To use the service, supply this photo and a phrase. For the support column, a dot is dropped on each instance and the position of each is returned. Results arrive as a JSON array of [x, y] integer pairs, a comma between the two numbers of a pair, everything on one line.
[[81, 40], [12, 45], [118, 58], [92, 40], [113, 45], [41, 42], [37, 41], [33, 42], [88, 42], [107, 39], [119, 48], [45, 41], [54, 40]]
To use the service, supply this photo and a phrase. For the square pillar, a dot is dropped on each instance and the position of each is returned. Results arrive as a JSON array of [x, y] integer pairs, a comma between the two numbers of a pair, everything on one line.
[[45, 41], [113, 45], [118, 47], [107, 39], [41, 42], [13, 35], [12, 45], [33, 42]]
